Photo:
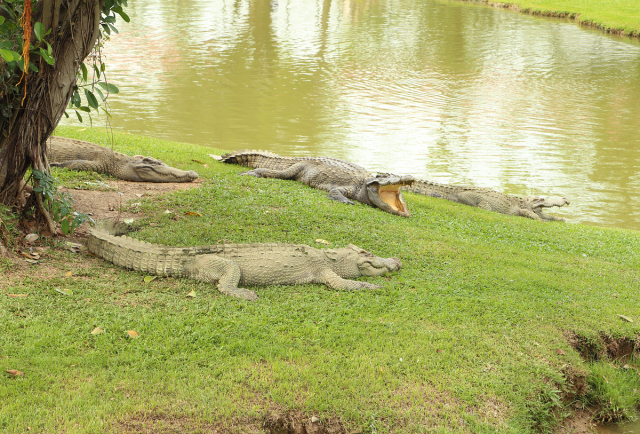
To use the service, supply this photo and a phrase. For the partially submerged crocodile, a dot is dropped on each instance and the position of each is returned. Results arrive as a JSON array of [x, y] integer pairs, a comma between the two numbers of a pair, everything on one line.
[[79, 155], [343, 180], [490, 200], [231, 265]]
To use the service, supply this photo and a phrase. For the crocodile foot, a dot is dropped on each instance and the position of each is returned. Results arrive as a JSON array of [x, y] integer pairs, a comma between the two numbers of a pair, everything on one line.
[[242, 293], [252, 173]]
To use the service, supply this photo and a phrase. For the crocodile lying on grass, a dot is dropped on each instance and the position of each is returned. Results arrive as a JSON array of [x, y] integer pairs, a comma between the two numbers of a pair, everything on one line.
[[490, 200], [79, 155], [343, 180], [231, 265]]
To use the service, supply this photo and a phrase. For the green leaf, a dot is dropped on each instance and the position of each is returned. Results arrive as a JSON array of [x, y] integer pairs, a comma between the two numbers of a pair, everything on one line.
[[84, 109], [99, 92], [97, 71], [91, 99], [46, 56], [106, 29], [83, 68], [119, 11], [1, 20], [66, 115], [64, 225], [38, 29], [6, 44], [111, 88], [6, 55], [148, 279], [64, 291], [79, 117], [113, 29], [110, 19], [33, 67]]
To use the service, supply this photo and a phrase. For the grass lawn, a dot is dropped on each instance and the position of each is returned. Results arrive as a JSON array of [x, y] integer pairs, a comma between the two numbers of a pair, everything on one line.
[[609, 15], [485, 329]]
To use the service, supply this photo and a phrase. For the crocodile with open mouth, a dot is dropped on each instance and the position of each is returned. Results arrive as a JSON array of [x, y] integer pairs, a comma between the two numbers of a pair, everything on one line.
[[343, 180], [491, 200]]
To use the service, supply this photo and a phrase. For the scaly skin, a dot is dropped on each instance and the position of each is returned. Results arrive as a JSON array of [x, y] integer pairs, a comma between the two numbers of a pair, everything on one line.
[[231, 265], [485, 198], [79, 155], [343, 180]]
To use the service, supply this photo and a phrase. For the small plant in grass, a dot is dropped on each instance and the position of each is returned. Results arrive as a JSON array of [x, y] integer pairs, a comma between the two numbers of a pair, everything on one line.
[[58, 204], [8, 230]]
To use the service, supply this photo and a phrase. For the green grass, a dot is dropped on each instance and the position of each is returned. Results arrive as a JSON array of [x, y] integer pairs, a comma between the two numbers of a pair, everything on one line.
[[464, 338], [606, 14]]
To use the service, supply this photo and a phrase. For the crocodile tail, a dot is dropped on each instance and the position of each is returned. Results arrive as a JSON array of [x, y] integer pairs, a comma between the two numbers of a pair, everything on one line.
[[250, 158], [135, 254], [115, 228], [433, 189]]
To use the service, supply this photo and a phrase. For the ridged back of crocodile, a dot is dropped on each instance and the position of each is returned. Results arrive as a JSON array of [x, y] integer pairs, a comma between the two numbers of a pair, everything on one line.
[[269, 160], [434, 189], [163, 260]]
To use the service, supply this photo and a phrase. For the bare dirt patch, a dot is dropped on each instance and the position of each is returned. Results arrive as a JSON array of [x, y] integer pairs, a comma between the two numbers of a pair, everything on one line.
[[605, 346], [108, 204], [580, 422], [99, 205]]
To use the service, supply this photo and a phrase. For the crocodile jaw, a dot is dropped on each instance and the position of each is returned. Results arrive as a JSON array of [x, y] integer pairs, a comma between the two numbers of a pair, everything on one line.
[[385, 194], [153, 172]]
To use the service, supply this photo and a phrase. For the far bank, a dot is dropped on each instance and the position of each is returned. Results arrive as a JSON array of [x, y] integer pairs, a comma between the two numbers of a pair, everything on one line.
[[614, 17]]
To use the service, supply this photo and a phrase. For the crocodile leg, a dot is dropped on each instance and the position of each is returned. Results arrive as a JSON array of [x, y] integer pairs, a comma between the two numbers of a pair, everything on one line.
[[332, 280], [212, 268], [547, 217], [288, 173], [339, 194]]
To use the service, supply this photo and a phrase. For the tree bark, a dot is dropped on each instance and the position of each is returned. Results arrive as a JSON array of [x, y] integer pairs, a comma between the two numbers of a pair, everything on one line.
[[75, 28]]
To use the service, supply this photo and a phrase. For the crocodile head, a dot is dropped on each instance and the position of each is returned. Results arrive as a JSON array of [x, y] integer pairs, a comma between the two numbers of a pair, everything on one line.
[[540, 203], [384, 192], [148, 169], [353, 262]]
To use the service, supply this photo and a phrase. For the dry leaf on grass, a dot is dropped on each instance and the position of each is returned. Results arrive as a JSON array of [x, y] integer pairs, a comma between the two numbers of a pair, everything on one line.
[[64, 291], [15, 373], [148, 279], [97, 331], [197, 214], [191, 294], [132, 334], [16, 295]]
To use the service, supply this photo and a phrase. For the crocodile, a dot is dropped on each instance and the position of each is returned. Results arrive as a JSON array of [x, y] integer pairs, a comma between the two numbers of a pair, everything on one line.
[[80, 155], [491, 200], [344, 181], [231, 265]]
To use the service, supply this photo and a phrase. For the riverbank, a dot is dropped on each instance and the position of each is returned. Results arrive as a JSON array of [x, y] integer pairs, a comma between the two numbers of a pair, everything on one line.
[[492, 324], [618, 17]]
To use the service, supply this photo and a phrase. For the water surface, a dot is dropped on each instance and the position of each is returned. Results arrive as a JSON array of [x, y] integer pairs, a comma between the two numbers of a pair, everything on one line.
[[446, 91]]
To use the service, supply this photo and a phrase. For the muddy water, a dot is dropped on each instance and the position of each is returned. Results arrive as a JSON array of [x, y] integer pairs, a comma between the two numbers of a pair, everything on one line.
[[626, 428], [447, 91]]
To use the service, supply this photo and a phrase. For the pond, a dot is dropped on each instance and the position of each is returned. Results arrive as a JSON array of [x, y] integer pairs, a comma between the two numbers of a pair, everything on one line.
[[447, 91]]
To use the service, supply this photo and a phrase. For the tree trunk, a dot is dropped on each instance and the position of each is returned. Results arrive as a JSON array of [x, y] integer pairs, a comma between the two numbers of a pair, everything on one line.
[[75, 27]]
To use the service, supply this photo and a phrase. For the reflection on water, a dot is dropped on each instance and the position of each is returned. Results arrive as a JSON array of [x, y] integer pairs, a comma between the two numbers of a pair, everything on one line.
[[445, 91], [625, 428]]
